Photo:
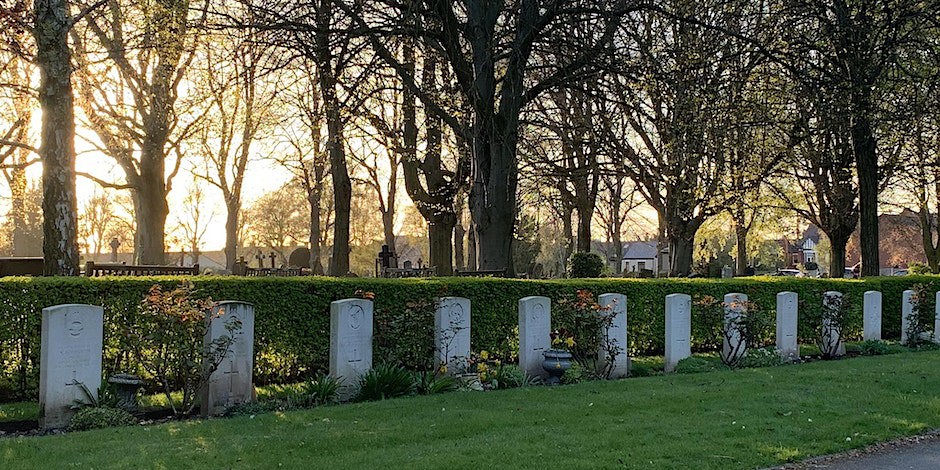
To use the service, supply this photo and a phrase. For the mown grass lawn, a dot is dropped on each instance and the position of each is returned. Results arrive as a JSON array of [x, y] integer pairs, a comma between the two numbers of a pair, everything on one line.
[[734, 419]]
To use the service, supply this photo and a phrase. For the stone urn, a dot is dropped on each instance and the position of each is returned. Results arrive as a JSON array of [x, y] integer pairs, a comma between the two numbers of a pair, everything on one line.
[[556, 362], [126, 387]]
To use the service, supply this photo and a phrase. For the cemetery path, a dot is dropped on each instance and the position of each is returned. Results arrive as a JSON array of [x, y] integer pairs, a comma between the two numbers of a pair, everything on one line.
[[913, 453]]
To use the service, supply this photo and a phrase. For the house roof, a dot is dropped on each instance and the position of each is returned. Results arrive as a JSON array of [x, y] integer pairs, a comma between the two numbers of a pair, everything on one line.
[[639, 250]]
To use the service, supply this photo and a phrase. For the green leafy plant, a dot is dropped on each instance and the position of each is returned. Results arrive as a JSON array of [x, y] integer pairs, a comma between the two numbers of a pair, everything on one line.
[[407, 339], [741, 331], [432, 382], [585, 265], [385, 381], [874, 347], [322, 389], [169, 342], [640, 370], [100, 417]]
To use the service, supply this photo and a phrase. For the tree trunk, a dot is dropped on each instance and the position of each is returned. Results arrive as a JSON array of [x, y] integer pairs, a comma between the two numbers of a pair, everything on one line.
[[18, 209], [232, 208], [151, 210], [493, 190], [866, 159], [388, 225], [680, 255], [342, 186], [837, 256], [459, 234], [59, 207], [313, 198], [618, 253], [585, 214], [740, 232], [472, 249], [440, 233], [568, 234]]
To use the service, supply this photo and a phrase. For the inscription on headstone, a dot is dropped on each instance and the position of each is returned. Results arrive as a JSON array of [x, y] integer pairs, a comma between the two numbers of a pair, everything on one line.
[[787, 325], [678, 329], [535, 326], [615, 336], [452, 333], [231, 383], [69, 361], [350, 342], [871, 323]]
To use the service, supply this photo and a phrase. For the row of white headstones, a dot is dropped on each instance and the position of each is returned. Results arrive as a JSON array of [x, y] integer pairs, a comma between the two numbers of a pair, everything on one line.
[[72, 338]]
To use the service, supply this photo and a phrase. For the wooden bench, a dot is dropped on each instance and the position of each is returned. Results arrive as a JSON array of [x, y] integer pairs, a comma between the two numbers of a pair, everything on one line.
[[93, 269]]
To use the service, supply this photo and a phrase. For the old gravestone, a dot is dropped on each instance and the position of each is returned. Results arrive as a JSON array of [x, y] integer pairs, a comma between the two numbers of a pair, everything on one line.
[[350, 342], [615, 336], [787, 326], [678, 329], [452, 333], [69, 362], [936, 321], [907, 311], [831, 337], [535, 326], [734, 345], [231, 383], [871, 323]]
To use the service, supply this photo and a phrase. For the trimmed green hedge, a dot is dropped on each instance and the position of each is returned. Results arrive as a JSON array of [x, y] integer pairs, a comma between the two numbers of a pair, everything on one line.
[[292, 314]]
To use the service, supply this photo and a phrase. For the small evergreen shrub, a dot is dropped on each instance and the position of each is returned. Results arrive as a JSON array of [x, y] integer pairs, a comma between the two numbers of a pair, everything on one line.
[[585, 265], [510, 376], [874, 347], [574, 374], [385, 381], [100, 417]]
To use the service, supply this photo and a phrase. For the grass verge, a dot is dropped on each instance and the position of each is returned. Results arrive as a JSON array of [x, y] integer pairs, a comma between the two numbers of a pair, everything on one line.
[[734, 419]]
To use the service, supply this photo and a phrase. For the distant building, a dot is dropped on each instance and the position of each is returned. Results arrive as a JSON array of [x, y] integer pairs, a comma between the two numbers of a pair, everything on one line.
[[640, 256], [803, 250]]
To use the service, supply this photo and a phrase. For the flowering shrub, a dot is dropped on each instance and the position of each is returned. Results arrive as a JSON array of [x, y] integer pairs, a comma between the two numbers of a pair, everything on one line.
[[583, 320], [740, 331], [167, 342]]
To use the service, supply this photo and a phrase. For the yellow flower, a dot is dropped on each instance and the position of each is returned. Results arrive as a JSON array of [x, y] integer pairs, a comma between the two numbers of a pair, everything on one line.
[[484, 355], [481, 367], [569, 341]]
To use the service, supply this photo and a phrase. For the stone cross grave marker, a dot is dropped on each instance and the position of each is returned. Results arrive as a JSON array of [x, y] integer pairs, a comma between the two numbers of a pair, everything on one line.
[[733, 344], [350, 342], [452, 333], [231, 383], [871, 323], [69, 361], [787, 325], [616, 335], [678, 329], [535, 326]]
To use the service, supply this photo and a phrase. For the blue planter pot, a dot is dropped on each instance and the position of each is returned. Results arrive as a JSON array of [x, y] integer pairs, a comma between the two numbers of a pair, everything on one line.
[[556, 362]]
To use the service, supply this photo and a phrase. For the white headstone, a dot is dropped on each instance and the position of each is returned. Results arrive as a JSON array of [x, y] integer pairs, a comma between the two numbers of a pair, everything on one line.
[[936, 321], [832, 333], [871, 326], [788, 325], [535, 327], [907, 311], [452, 333], [733, 345], [69, 361], [231, 383], [678, 329], [615, 334], [350, 342]]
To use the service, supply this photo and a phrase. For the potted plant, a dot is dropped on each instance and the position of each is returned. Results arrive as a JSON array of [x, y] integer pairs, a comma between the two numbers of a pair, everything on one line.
[[557, 360]]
